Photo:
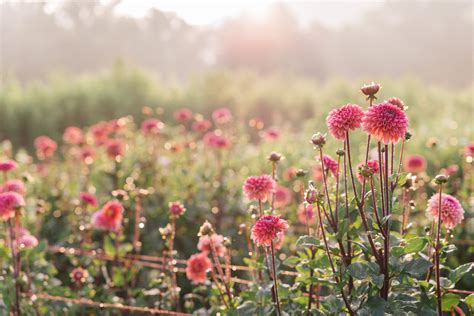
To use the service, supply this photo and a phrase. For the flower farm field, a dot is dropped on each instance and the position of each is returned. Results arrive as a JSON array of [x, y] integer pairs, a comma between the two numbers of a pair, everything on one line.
[[235, 195]]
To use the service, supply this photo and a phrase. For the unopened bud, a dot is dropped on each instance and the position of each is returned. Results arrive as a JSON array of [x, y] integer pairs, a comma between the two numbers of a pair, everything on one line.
[[441, 178], [371, 89], [275, 157], [340, 152], [408, 136], [311, 196], [318, 140], [301, 173], [206, 229]]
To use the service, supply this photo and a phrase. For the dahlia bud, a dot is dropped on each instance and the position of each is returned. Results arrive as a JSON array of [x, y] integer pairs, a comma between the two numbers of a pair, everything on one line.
[[206, 229], [371, 89], [397, 102], [366, 171], [408, 136], [166, 231], [275, 157], [340, 152], [311, 196], [318, 140], [441, 178]]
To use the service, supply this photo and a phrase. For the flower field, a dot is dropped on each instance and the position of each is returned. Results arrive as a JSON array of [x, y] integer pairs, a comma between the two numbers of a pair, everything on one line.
[[365, 209]]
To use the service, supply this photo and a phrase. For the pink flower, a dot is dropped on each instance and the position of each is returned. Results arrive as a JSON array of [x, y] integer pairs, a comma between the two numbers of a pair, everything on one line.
[[267, 229], [282, 196], [9, 202], [115, 148], [386, 122], [373, 166], [414, 164], [176, 208], [151, 126], [330, 164], [87, 154], [216, 140], [280, 239], [183, 115], [88, 198], [309, 214], [469, 149], [201, 125], [7, 165], [343, 119], [100, 132], [270, 133], [79, 275], [45, 147], [109, 217], [451, 170], [25, 239], [73, 135], [396, 101], [222, 116], [370, 89], [13, 185], [197, 266], [452, 212], [290, 173], [204, 244], [259, 187]]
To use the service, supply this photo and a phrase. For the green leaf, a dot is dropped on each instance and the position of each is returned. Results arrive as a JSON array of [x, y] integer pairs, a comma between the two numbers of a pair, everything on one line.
[[469, 300], [291, 261], [109, 247], [449, 300], [415, 245], [247, 308], [375, 306], [397, 251], [358, 270], [118, 277], [457, 274], [417, 267], [307, 241]]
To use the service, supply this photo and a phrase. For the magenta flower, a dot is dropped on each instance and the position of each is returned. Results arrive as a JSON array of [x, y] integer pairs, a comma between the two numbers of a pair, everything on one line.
[[176, 208], [222, 116], [414, 164], [386, 122], [330, 164], [183, 115], [109, 217], [197, 266], [45, 147], [469, 150], [13, 185], [7, 165], [342, 120], [73, 135], [88, 198], [452, 212], [201, 125], [9, 202], [216, 140], [259, 187], [151, 126], [267, 229], [79, 275], [115, 148], [204, 244]]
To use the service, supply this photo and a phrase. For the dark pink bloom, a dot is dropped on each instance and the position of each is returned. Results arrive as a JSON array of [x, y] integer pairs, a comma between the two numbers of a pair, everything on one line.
[[7, 165], [204, 244], [373, 166], [306, 213], [386, 122], [270, 133], [79, 275], [88, 198], [330, 164], [267, 229], [452, 212], [87, 154], [282, 196], [216, 140], [469, 149], [342, 120], [109, 217], [73, 135], [151, 126], [197, 266], [176, 208], [100, 132], [45, 147], [115, 148], [201, 125], [259, 187], [9, 202], [222, 116], [183, 115], [396, 101], [414, 163], [13, 185]]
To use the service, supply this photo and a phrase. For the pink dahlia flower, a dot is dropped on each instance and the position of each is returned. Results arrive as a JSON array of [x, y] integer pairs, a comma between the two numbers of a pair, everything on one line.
[[204, 244], [88, 198], [9, 202], [100, 131], [24, 238], [373, 166], [342, 120], [259, 187], [183, 115], [87, 154], [469, 149], [73, 135], [396, 101], [109, 217], [7, 165], [222, 116], [330, 164], [270, 133], [216, 140], [414, 164], [79, 275], [45, 147], [452, 212], [304, 213], [13, 185], [115, 148], [176, 208], [151, 126], [197, 266], [267, 229], [282, 196], [201, 125], [386, 122]]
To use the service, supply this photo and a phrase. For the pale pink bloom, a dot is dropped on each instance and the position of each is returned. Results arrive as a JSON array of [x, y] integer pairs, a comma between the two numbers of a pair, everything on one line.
[[452, 212], [342, 120], [306, 213], [451, 170], [278, 242], [100, 131], [282, 196], [73, 135], [259, 187], [151, 126], [204, 244], [216, 140], [270, 133], [13, 185], [267, 229], [115, 148], [373, 166], [414, 164], [109, 217], [386, 122], [45, 147], [317, 172], [201, 125], [7, 165], [88, 198], [197, 266], [183, 115], [117, 125], [222, 116], [9, 202], [290, 173], [24, 238], [176, 208]]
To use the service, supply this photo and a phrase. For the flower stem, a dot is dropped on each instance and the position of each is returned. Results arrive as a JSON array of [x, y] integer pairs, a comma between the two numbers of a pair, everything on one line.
[[275, 283], [16, 273], [438, 246]]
